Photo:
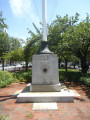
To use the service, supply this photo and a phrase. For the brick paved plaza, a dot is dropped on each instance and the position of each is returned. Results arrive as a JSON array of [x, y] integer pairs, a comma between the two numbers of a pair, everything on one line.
[[79, 110]]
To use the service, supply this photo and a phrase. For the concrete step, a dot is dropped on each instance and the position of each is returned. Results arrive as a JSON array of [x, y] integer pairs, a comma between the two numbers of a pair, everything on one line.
[[27, 96]]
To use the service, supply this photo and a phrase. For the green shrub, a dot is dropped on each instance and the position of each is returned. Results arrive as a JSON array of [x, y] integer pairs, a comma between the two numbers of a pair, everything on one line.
[[69, 76], [6, 78], [23, 76], [74, 76], [85, 80]]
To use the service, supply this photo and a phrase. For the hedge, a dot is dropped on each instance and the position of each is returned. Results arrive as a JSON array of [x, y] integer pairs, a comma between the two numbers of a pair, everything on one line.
[[6, 78], [74, 76]]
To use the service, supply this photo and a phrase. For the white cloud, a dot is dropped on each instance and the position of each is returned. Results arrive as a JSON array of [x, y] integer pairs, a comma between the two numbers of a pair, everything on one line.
[[24, 9], [20, 7]]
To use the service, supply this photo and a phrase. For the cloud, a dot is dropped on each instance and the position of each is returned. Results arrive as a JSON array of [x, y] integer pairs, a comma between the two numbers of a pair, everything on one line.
[[20, 7], [24, 9]]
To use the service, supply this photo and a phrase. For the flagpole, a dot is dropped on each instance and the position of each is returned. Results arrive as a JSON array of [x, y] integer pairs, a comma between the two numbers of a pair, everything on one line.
[[44, 47], [44, 20]]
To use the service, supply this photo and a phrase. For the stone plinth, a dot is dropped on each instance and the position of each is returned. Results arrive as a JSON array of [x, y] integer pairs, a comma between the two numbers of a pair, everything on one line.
[[45, 97], [45, 88], [40, 97], [45, 69]]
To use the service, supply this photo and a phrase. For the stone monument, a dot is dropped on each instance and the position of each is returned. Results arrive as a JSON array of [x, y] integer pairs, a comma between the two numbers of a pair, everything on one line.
[[45, 75], [45, 86]]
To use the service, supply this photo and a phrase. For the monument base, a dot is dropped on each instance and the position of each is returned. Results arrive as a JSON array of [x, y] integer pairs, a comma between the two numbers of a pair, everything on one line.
[[45, 88], [39, 97]]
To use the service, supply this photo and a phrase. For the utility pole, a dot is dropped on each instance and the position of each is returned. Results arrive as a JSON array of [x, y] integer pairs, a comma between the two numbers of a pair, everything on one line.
[[44, 48]]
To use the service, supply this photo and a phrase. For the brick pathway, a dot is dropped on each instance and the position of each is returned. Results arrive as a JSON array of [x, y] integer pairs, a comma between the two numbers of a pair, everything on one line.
[[79, 110]]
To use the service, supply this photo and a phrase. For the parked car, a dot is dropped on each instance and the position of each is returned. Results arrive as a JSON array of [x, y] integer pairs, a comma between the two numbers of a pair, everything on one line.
[[62, 64], [30, 64], [18, 65], [79, 66]]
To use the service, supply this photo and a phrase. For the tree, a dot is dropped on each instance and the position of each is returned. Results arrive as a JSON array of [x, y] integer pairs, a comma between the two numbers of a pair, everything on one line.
[[78, 40], [14, 43], [30, 49], [4, 39], [33, 45], [15, 55], [2, 24], [9, 46], [56, 33], [4, 46]]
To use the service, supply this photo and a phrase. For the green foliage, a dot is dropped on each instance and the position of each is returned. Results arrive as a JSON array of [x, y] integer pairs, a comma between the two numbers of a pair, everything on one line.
[[29, 50], [4, 46], [8, 45], [16, 55], [74, 76], [2, 24], [4, 117], [14, 43], [32, 46], [56, 40], [29, 115], [78, 41], [85, 80], [70, 76], [6, 78], [4, 43], [68, 38], [23, 76], [4, 38], [35, 41]]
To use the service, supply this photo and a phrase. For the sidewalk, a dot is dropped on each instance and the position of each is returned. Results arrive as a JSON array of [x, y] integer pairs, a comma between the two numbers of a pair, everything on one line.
[[79, 110]]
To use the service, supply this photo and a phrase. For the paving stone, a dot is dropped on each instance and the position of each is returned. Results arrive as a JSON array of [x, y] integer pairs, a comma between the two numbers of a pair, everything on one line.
[[45, 106]]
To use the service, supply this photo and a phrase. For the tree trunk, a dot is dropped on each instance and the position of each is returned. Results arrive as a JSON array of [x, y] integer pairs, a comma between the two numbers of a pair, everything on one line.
[[59, 62], [84, 66], [26, 67], [66, 65], [74, 65], [10, 62], [2, 64]]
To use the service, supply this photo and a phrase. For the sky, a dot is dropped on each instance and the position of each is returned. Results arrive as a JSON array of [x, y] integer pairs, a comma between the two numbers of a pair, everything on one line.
[[20, 14]]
